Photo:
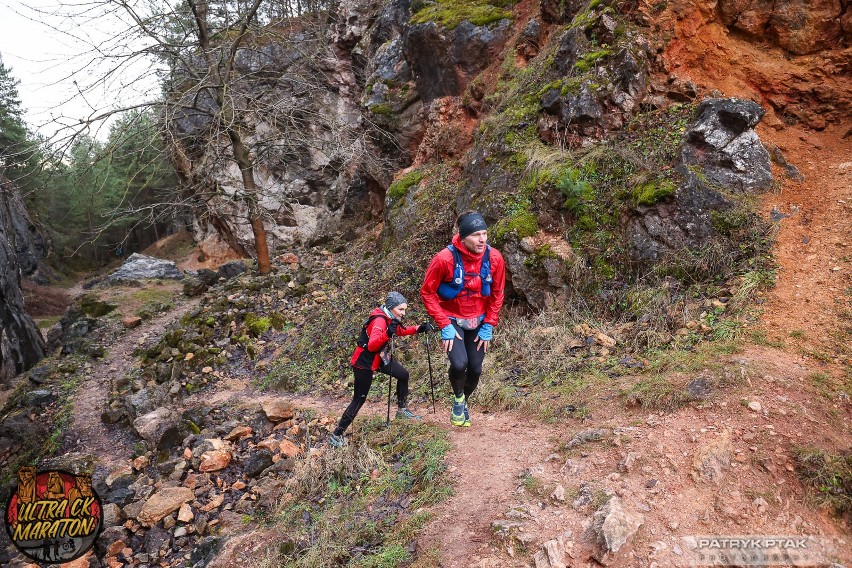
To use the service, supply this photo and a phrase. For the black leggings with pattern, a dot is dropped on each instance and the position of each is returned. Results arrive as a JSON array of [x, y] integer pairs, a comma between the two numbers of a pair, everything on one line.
[[465, 362]]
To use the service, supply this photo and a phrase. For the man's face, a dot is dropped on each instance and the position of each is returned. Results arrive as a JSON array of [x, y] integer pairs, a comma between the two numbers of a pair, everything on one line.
[[475, 242]]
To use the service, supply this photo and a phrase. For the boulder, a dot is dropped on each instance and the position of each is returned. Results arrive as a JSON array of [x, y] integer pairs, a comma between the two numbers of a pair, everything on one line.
[[231, 269], [683, 222], [139, 266], [723, 143], [164, 502], [257, 463], [214, 460], [157, 425], [613, 525], [278, 410]]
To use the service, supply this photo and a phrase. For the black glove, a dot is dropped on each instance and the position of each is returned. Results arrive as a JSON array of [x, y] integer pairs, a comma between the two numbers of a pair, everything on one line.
[[392, 327], [425, 326]]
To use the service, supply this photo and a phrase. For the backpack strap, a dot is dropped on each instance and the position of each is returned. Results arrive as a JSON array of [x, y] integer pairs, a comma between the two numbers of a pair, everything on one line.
[[363, 338], [485, 272]]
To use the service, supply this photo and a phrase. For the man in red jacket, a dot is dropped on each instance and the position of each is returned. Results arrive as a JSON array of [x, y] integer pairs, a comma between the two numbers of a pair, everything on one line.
[[371, 355], [463, 292]]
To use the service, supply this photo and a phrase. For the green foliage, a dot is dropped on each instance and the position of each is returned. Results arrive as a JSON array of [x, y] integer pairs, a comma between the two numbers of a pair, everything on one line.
[[101, 192], [400, 187], [517, 220], [729, 221], [94, 307], [653, 192], [588, 60], [257, 325], [382, 109], [577, 190], [535, 260], [20, 152], [450, 13]]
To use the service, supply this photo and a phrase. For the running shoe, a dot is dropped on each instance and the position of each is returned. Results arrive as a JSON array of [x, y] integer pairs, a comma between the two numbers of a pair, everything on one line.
[[457, 415], [406, 414]]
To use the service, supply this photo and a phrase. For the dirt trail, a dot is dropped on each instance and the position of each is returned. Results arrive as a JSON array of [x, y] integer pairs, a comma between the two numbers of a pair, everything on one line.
[[487, 463], [814, 241], [87, 433]]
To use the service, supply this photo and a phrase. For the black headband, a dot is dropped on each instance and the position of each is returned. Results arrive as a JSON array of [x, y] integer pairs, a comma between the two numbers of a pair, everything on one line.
[[470, 224]]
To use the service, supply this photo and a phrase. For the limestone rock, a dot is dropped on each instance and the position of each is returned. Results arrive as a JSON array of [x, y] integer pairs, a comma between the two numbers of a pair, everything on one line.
[[155, 426], [214, 460], [722, 141], [185, 513], [713, 459], [278, 410], [289, 449], [164, 502], [139, 266], [613, 525], [238, 433]]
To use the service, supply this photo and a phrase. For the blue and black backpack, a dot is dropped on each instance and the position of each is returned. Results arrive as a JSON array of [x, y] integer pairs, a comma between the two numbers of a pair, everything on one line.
[[451, 289]]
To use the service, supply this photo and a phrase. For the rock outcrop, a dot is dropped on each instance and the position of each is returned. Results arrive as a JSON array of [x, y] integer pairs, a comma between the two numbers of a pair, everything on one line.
[[723, 143], [139, 266], [31, 246], [799, 26], [21, 343]]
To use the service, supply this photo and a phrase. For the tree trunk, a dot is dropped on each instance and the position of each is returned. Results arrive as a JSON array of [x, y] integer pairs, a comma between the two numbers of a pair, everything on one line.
[[241, 156], [263, 264]]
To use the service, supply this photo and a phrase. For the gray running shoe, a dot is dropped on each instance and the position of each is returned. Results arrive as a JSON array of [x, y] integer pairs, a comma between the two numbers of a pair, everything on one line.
[[336, 441], [406, 414]]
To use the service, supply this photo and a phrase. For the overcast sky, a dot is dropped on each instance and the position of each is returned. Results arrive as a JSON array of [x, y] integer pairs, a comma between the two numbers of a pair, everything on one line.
[[47, 51]]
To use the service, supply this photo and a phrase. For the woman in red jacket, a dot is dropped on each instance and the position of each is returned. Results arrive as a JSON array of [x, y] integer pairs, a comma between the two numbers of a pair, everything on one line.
[[463, 292], [371, 355]]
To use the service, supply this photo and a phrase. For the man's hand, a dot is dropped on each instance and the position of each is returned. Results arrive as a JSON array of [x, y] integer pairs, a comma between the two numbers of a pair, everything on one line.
[[483, 338]]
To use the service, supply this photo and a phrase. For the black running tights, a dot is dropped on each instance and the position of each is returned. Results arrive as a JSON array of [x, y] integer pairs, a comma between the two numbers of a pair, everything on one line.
[[465, 362], [363, 381]]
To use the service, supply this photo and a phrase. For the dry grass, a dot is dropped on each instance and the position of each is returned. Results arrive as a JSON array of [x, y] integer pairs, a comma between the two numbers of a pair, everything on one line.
[[44, 301], [829, 476]]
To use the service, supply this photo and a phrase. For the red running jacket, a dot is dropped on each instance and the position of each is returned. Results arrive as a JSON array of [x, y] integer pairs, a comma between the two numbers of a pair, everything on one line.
[[470, 302], [377, 337]]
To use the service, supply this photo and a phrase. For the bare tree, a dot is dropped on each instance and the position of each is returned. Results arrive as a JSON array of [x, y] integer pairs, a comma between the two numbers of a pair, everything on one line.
[[239, 82]]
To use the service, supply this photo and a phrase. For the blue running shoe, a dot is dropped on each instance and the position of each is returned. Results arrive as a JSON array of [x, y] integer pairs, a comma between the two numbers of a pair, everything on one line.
[[466, 416]]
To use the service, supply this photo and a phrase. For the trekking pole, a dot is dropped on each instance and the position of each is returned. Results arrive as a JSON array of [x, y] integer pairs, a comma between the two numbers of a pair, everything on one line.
[[390, 380], [431, 380]]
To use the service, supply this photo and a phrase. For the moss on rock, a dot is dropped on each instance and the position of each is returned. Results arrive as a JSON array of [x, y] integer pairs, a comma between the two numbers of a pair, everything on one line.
[[450, 13]]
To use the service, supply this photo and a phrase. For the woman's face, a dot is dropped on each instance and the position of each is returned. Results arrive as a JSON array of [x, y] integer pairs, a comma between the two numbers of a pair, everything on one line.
[[399, 311]]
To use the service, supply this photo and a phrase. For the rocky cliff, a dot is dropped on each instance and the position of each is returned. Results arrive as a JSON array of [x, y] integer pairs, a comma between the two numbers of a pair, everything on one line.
[[21, 343], [574, 126]]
